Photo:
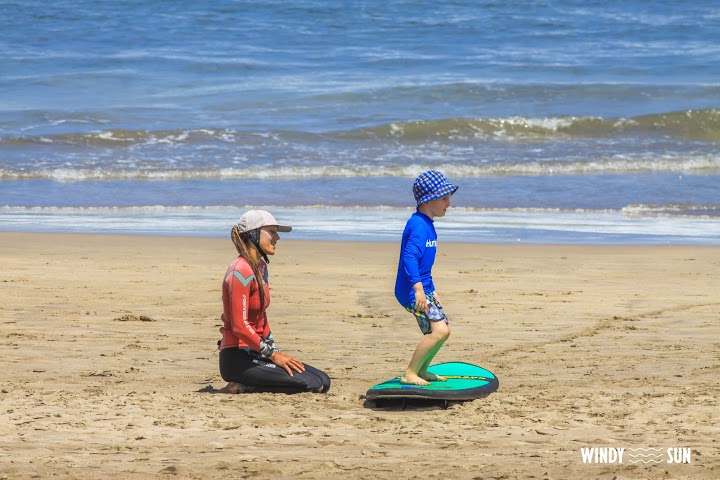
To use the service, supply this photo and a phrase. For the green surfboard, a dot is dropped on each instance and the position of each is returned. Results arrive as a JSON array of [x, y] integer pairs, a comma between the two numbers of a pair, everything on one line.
[[464, 382]]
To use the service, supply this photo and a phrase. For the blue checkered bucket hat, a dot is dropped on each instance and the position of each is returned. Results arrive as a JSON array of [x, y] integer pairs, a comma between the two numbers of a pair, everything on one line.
[[432, 185]]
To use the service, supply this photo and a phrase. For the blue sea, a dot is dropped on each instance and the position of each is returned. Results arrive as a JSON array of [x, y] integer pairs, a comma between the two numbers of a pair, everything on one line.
[[591, 122]]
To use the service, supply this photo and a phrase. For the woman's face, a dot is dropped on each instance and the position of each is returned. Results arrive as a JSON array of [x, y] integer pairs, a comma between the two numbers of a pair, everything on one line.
[[268, 238]]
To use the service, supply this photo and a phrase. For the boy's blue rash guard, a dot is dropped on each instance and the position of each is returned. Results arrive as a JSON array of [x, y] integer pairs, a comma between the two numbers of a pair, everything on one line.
[[417, 255]]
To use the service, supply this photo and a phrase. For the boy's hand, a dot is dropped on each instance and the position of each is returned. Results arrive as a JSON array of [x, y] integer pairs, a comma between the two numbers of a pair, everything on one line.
[[420, 299]]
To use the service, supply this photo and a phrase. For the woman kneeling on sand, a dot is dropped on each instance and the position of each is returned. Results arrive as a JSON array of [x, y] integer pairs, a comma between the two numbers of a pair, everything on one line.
[[249, 359]]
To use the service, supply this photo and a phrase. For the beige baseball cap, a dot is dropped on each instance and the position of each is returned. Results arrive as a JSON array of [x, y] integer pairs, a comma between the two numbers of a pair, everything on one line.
[[253, 219]]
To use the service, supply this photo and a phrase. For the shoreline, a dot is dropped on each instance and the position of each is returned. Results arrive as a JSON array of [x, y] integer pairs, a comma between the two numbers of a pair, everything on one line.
[[500, 226], [594, 346], [288, 238]]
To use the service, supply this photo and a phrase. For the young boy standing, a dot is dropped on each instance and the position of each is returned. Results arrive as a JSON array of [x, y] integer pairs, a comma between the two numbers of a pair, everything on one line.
[[414, 287]]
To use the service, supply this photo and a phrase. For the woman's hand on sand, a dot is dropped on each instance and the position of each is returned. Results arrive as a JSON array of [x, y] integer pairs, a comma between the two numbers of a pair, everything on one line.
[[287, 362]]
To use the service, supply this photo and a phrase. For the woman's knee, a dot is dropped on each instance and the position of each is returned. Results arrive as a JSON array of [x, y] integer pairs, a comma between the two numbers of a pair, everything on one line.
[[316, 380], [325, 381], [309, 382]]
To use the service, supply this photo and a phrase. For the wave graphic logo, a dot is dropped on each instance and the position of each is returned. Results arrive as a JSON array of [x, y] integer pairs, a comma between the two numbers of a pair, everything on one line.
[[645, 455]]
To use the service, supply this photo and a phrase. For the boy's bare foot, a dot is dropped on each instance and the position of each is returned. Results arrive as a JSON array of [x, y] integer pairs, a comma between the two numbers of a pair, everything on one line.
[[411, 379], [431, 377]]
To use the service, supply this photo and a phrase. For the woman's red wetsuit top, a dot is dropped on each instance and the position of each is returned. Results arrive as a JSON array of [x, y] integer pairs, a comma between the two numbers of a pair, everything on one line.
[[245, 324]]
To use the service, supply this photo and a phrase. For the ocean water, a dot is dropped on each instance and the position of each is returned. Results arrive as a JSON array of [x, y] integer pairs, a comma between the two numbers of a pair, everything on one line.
[[561, 121]]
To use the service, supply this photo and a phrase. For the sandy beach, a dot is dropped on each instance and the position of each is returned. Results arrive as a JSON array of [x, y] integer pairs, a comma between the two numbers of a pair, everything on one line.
[[109, 361]]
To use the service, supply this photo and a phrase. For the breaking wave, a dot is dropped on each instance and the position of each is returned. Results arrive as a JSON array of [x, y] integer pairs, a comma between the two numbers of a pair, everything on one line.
[[692, 125]]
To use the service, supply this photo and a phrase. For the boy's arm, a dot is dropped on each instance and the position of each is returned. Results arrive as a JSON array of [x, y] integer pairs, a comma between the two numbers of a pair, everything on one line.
[[411, 255]]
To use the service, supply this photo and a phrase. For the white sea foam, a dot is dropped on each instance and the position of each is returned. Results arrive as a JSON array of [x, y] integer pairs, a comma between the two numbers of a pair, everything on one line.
[[384, 224]]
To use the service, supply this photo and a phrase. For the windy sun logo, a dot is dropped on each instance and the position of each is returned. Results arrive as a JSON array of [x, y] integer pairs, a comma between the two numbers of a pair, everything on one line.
[[652, 455]]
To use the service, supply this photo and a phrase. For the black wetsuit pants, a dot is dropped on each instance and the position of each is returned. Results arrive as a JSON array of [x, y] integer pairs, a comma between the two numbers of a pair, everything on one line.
[[258, 374]]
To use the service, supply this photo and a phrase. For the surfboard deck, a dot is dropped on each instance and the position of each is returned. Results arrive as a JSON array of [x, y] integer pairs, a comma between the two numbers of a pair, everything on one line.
[[465, 382]]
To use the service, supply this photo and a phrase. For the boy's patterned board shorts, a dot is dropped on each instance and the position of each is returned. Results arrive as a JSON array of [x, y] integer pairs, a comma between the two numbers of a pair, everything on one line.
[[434, 313]]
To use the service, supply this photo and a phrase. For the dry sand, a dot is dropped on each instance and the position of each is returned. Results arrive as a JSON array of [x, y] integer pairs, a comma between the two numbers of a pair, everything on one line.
[[108, 348]]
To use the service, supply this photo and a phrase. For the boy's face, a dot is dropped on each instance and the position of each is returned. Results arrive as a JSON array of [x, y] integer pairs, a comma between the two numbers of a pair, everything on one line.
[[437, 207]]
